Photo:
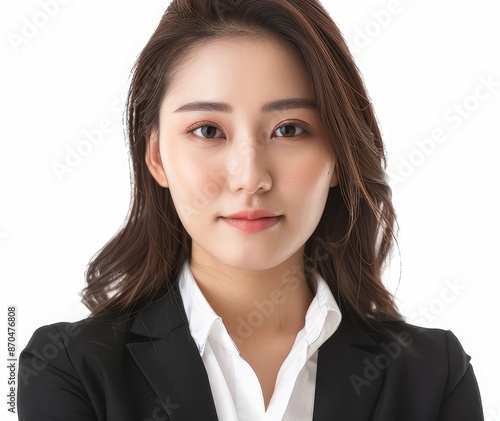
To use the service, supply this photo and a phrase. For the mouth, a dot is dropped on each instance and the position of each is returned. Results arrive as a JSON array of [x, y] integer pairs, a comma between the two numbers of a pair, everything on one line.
[[252, 221]]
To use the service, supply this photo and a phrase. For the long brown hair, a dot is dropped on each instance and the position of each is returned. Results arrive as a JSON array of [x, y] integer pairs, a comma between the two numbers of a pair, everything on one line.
[[356, 232]]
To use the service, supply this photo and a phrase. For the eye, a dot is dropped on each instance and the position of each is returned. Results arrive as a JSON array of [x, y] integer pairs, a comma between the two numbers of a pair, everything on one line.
[[206, 131], [289, 130]]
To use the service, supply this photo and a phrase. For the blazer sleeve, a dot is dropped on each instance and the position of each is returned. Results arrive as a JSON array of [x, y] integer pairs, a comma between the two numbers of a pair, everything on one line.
[[49, 387], [461, 400]]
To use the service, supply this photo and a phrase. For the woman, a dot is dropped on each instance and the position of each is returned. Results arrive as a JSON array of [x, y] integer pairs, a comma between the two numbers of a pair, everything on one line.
[[246, 283]]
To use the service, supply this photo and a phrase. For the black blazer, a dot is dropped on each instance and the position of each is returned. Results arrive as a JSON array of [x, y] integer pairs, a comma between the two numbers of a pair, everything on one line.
[[147, 367]]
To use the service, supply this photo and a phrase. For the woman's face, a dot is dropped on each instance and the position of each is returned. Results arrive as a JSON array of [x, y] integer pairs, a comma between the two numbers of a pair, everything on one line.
[[242, 150]]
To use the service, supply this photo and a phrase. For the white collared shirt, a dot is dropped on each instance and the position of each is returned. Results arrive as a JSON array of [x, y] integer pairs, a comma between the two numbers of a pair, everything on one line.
[[235, 387]]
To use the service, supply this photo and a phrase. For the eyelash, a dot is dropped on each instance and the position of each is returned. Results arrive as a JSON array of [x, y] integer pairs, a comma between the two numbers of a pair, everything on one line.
[[210, 124], [202, 124]]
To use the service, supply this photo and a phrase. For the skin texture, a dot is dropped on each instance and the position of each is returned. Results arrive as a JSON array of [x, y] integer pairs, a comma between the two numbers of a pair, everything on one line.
[[240, 159]]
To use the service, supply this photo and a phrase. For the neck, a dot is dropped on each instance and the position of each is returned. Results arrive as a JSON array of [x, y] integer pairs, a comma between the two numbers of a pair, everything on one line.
[[259, 303]]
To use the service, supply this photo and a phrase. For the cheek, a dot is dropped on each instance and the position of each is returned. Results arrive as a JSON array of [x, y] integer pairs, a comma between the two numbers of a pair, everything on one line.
[[310, 179], [194, 182]]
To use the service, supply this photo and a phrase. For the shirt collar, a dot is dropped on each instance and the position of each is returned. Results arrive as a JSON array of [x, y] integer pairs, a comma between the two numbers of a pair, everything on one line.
[[323, 315], [322, 318], [199, 312]]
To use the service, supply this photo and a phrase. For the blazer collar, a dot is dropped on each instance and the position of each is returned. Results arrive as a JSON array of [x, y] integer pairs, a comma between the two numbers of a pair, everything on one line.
[[347, 382], [348, 379], [168, 357]]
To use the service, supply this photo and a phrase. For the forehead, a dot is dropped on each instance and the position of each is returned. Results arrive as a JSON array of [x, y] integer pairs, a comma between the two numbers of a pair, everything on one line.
[[239, 69]]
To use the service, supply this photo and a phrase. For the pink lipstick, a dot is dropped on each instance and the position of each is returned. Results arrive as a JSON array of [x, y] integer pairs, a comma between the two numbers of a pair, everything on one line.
[[252, 220]]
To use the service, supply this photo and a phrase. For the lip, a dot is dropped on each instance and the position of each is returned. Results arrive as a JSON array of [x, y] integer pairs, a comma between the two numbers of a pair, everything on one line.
[[252, 220], [252, 214]]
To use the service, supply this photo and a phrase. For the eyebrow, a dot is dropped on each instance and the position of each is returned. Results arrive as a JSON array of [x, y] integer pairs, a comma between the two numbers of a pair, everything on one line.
[[280, 105]]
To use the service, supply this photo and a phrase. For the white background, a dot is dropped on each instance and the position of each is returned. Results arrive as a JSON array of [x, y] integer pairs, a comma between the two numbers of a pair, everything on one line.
[[422, 60]]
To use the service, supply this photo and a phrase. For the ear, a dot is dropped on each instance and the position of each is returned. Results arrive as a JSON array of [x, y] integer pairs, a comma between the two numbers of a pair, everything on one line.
[[153, 159], [335, 179]]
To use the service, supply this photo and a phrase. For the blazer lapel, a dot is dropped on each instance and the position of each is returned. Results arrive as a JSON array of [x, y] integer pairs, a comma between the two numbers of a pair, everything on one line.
[[170, 360], [348, 379]]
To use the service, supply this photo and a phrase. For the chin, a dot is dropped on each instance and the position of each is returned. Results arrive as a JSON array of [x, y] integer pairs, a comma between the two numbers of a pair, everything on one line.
[[255, 260]]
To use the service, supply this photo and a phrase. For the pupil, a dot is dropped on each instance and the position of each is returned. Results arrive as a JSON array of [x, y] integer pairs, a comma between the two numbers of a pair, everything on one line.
[[288, 130], [208, 131]]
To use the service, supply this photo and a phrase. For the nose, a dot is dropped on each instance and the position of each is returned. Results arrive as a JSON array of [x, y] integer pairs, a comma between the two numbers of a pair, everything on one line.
[[247, 168]]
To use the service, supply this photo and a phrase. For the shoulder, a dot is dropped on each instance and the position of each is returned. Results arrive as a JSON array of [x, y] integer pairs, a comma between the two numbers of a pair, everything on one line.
[[399, 366], [102, 338], [425, 353], [416, 336], [64, 344], [418, 341], [105, 327]]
